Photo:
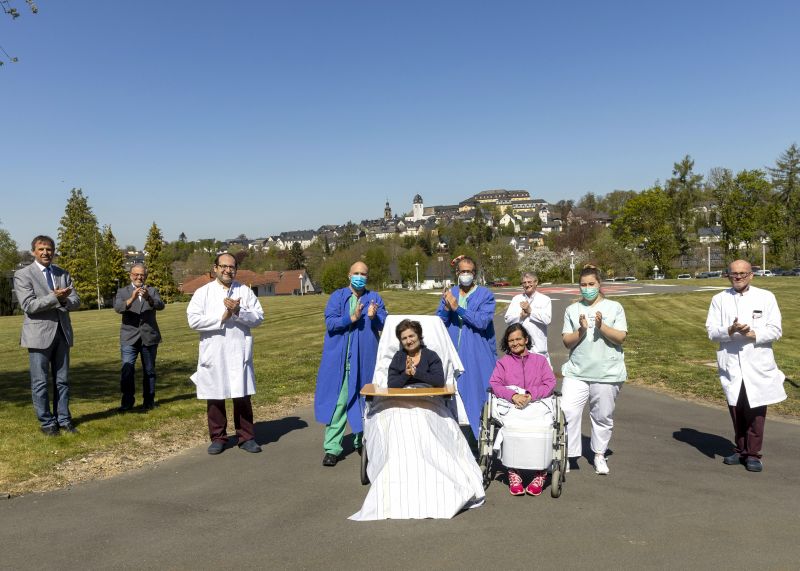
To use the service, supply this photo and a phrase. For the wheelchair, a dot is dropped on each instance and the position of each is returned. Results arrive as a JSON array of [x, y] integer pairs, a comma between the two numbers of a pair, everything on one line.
[[555, 439]]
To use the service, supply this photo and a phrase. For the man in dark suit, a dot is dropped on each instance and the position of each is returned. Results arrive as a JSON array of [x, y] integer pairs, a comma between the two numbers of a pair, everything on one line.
[[139, 335], [46, 294]]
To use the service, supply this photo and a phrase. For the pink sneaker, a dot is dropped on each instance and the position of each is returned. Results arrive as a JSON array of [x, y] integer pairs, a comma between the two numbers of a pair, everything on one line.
[[515, 484], [536, 486]]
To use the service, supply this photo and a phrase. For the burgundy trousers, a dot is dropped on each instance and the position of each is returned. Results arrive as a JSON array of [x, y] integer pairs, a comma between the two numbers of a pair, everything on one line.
[[242, 419], [748, 426]]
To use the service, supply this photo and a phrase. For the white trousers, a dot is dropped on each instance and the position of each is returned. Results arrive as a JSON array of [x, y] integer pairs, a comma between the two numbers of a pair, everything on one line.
[[602, 398]]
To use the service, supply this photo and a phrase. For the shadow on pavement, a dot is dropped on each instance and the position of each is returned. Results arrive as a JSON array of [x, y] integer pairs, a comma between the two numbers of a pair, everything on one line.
[[272, 430], [710, 445]]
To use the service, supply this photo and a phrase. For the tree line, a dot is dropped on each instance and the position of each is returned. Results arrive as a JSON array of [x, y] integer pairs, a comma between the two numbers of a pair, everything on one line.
[[656, 226]]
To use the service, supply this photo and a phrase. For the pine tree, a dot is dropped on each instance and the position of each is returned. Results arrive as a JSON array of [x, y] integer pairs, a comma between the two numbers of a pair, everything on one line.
[[9, 256], [786, 182], [111, 264], [159, 272], [296, 257], [683, 189], [77, 245]]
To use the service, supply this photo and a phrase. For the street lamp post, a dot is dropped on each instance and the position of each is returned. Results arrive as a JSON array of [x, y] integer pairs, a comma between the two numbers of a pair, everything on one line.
[[764, 241], [416, 267], [301, 284], [572, 266], [441, 271], [709, 258], [655, 272]]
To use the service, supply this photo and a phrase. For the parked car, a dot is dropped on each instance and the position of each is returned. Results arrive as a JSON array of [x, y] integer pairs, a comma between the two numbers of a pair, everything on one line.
[[702, 275], [500, 283], [778, 271], [764, 273], [793, 272], [628, 279], [684, 276]]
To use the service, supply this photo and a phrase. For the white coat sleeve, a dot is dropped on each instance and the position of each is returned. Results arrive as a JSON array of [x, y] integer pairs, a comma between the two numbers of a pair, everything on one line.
[[771, 330], [251, 314], [717, 331], [200, 317], [513, 311], [542, 313]]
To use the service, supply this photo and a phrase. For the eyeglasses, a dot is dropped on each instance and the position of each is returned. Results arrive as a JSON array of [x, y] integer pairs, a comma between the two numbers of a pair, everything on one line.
[[739, 274], [229, 268]]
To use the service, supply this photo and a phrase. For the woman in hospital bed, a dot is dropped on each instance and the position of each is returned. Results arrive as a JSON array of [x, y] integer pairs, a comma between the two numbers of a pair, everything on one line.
[[420, 464]]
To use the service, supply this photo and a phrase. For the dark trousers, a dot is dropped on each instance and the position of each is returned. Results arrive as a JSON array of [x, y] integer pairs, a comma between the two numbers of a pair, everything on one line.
[[242, 419], [748, 426], [127, 384]]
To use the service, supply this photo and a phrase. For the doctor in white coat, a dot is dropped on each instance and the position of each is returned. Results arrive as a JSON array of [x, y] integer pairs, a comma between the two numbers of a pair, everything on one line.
[[224, 311], [745, 321], [534, 311]]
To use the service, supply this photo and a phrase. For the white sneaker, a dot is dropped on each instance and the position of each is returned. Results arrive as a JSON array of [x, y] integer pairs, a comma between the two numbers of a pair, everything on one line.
[[600, 464]]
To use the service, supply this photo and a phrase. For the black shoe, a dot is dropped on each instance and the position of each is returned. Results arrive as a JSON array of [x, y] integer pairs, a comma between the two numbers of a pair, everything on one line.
[[216, 447], [250, 446], [330, 459], [125, 408], [733, 459], [69, 428], [149, 406], [50, 430], [753, 465]]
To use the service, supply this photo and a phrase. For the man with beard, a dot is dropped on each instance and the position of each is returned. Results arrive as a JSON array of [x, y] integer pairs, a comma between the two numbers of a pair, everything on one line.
[[223, 312]]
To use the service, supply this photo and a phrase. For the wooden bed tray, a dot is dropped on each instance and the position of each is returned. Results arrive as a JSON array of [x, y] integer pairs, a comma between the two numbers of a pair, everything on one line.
[[371, 390]]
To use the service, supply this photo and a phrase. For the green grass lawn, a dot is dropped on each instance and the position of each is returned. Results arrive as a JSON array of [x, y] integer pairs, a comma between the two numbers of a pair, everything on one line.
[[666, 347], [288, 346]]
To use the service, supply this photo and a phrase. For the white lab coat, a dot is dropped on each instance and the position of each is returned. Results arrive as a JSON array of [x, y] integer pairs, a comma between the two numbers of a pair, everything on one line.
[[536, 323], [740, 359], [225, 365]]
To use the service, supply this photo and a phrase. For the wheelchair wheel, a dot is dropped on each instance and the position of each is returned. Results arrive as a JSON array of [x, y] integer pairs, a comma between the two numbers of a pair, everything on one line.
[[486, 464], [560, 460], [486, 444], [364, 477]]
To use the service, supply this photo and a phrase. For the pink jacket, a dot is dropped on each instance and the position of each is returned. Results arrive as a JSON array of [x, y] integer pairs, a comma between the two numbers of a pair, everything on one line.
[[531, 372]]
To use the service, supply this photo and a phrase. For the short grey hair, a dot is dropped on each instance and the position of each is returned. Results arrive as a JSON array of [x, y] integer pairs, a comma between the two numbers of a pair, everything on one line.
[[531, 275]]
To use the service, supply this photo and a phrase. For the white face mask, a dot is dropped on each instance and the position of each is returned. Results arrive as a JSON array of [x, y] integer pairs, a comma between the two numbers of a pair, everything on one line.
[[466, 279]]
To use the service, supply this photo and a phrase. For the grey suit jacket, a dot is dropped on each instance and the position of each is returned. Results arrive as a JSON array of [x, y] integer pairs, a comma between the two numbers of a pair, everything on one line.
[[138, 320], [43, 312]]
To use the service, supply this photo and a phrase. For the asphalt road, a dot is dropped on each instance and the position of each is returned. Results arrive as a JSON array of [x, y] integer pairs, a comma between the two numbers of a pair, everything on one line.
[[669, 502]]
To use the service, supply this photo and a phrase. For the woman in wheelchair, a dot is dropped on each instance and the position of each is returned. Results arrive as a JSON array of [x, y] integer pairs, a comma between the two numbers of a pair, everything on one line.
[[414, 364], [521, 377]]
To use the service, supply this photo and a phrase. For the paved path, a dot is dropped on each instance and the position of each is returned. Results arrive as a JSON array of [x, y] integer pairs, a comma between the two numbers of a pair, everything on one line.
[[669, 502]]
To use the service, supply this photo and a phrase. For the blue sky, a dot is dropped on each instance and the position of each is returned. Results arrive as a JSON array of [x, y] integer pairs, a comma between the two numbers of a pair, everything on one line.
[[221, 118]]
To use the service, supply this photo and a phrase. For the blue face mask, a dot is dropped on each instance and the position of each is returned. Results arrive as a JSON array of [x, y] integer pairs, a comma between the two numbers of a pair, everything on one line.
[[358, 282]]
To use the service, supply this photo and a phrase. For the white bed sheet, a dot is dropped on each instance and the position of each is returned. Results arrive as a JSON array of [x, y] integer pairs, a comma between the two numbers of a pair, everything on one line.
[[420, 465]]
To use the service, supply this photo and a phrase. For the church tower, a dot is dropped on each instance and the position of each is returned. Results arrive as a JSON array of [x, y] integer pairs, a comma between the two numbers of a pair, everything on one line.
[[387, 211], [417, 208]]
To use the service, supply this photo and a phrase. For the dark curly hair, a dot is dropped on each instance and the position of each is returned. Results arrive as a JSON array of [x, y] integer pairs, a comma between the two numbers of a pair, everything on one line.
[[509, 330], [409, 324]]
